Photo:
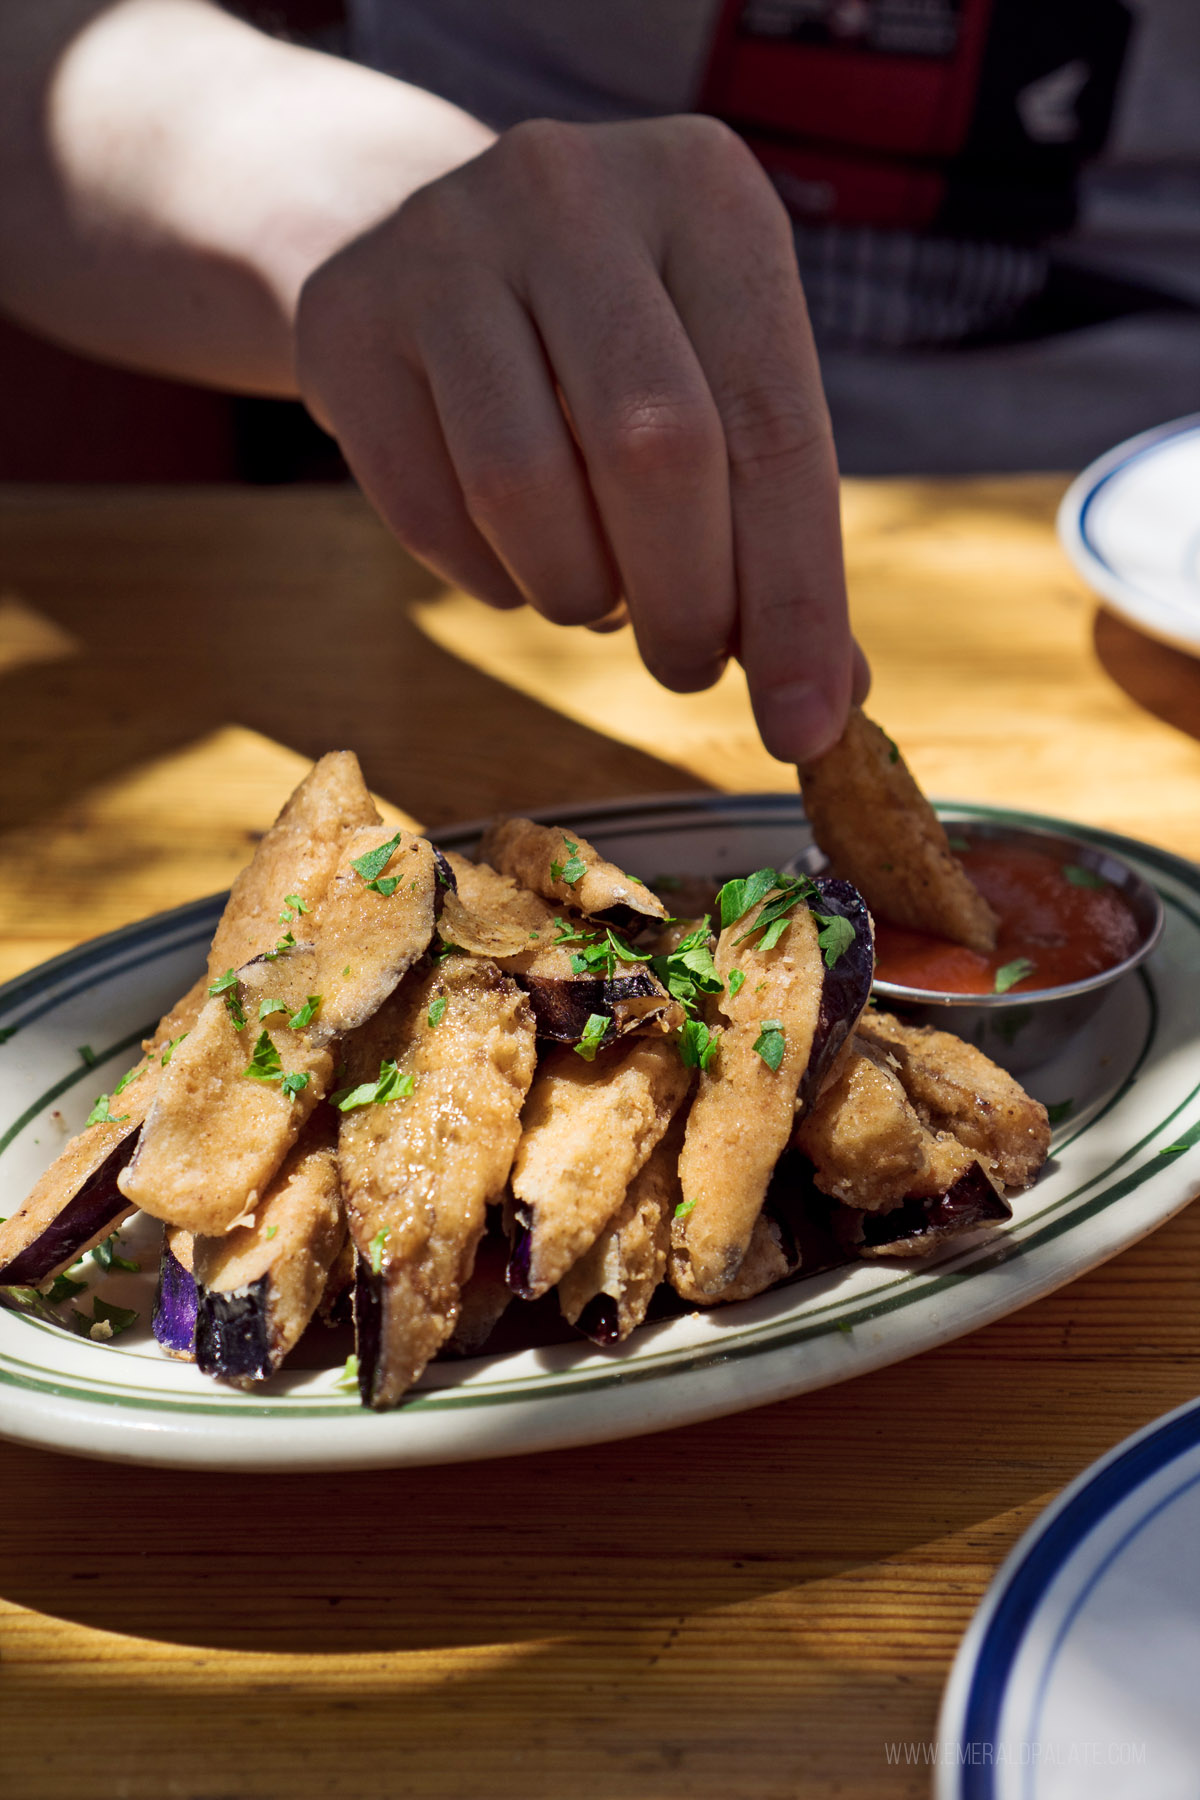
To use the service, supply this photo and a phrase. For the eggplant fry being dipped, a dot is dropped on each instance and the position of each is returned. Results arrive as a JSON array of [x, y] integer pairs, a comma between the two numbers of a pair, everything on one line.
[[451, 1088]]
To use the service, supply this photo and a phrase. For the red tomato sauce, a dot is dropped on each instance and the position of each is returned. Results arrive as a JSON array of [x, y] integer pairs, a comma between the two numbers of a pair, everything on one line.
[[1050, 914]]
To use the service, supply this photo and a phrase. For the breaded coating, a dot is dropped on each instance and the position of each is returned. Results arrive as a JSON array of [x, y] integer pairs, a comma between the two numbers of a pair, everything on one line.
[[744, 1111], [614, 1282], [878, 830], [867, 1144], [588, 1128], [531, 853], [518, 923], [216, 1134], [296, 856], [282, 1260], [955, 1087], [419, 1171], [77, 1202], [766, 1261]]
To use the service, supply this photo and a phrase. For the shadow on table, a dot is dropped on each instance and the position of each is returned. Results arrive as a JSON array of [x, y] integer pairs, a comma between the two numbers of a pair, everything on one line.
[[1163, 680], [275, 611]]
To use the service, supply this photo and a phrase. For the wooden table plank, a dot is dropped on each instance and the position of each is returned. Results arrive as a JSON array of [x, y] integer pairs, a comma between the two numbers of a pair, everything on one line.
[[758, 1607]]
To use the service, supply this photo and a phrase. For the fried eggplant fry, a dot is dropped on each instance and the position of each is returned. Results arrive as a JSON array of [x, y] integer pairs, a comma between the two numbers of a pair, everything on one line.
[[606, 1293], [878, 830], [563, 867]]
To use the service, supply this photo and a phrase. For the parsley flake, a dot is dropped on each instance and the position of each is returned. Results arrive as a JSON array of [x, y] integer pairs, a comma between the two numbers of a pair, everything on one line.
[[1080, 877], [835, 936], [227, 985], [1059, 1111], [293, 906], [295, 1083], [102, 1114], [1011, 972], [117, 1318], [372, 865], [171, 1048], [893, 749], [348, 1379], [687, 971], [594, 1034], [574, 869], [267, 1008], [63, 1288], [88, 1056], [265, 1063], [305, 1014], [683, 1209], [377, 1245], [738, 896], [106, 1256], [128, 1079], [391, 1085], [8, 1031], [737, 981], [271, 1231], [697, 1044], [286, 942], [770, 1042], [1174, 1149], [437, 1011]]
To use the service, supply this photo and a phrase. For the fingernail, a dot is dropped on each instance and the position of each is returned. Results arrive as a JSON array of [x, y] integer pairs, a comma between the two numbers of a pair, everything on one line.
[[798, 721]]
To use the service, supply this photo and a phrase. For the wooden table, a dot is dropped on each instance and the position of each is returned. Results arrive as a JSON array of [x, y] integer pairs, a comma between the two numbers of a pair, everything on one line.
[[748, 1610]]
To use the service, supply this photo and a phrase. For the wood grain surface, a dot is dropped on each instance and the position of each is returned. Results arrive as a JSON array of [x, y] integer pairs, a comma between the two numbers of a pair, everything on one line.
[[755, 1609]]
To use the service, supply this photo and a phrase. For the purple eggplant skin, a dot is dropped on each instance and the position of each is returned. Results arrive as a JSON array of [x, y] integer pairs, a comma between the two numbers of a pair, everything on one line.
[[176, 1302], [845, 988], [562, 1006], [444, 883], [517, 1273], [599, 1322], [96, 1209], [369, 1301], [233, 1332], [968, 1204]]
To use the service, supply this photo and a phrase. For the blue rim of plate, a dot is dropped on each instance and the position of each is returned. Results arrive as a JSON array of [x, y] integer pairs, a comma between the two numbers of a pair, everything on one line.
[[745, 1338], [997, 1634], [1076, 536]]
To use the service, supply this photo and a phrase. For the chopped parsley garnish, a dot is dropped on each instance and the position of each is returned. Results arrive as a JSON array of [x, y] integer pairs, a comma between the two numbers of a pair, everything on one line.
[[739, 895], [268, 1008], [63, 1288], [107, 1257], [227, 985], [437, 1011], [1174, 1149], [171, 1048], [599, 952], [102, 1114], [770, 1042], [349, 1376], [305, 1014], [372, 865], [683, 1209], [594, 1034], [128, 1079], [835, 936], [376, 1246], [107, 1321], [391, 1085], [1008, 975], [1080, 877], [574, 869], [687, 971], [1059, 1111], [293, 906], [88, 1056], [271, 1231], [8, 1031], [697, 1044], [737, 980], [845, 1327], [295, 1083], [893, 749], [265, 1063], [286, 942], [958, 843], [443, 950]]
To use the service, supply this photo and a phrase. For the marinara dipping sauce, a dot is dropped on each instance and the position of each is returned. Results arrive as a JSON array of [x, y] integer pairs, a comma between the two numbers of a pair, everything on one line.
[[1064, 921]]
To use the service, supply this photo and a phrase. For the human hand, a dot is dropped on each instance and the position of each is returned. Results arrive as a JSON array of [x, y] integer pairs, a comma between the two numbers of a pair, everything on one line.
[[577, 372]]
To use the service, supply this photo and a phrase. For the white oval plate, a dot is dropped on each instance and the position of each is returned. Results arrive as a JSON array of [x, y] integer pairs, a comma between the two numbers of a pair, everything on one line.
[[1078, 1677], [1116, 1172], [1131, 525]]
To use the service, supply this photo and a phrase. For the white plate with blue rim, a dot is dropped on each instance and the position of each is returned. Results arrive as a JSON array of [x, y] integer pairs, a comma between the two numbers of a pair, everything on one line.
[[1078, 1677], [1125, 1096], [1131, 525]]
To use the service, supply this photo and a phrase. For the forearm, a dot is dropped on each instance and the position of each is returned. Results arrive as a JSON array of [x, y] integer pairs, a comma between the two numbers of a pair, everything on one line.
[[171, 176]]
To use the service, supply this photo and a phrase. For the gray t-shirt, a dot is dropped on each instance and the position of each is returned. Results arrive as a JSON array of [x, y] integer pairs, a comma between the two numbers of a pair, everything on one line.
[[892, 308]]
